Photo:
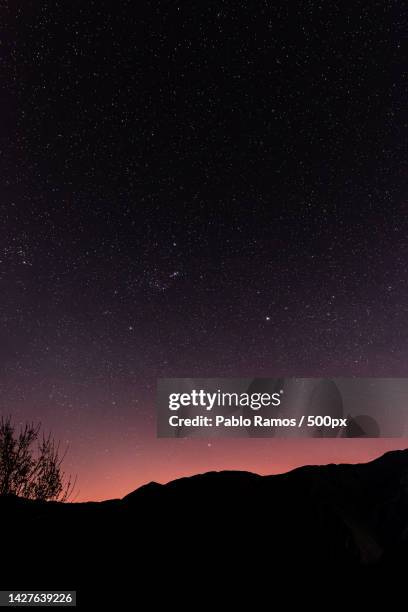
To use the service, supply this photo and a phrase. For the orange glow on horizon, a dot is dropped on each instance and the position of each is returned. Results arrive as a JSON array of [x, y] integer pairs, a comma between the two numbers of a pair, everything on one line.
[[123, 471]]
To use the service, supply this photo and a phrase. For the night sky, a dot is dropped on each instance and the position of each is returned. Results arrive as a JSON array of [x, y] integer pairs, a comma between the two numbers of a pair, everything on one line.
[[196, 189]]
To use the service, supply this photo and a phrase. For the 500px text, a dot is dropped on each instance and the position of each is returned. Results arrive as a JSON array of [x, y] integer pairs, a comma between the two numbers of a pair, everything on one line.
[[257, 421]]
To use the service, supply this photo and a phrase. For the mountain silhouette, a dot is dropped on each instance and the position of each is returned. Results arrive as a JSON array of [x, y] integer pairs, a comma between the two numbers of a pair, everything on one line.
[[348, 518]]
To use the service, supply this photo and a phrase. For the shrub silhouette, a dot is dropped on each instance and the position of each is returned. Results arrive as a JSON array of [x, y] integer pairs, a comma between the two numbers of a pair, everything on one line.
[[30, 464]]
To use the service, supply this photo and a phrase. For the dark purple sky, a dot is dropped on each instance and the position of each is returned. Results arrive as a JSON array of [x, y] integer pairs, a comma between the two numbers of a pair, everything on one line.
[[195, 190]]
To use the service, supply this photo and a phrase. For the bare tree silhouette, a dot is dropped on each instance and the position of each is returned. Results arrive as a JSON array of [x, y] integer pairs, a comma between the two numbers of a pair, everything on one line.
[[31, 465]]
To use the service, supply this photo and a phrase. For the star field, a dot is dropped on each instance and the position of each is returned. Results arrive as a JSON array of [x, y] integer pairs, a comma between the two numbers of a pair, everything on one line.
[[195, 189]]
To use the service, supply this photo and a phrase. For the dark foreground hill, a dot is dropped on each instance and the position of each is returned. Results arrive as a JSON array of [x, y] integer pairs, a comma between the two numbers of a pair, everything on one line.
[[229, 529]]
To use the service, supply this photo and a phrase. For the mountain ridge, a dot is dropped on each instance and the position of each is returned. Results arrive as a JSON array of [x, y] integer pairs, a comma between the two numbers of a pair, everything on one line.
[[394, 456], [347, 518]]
